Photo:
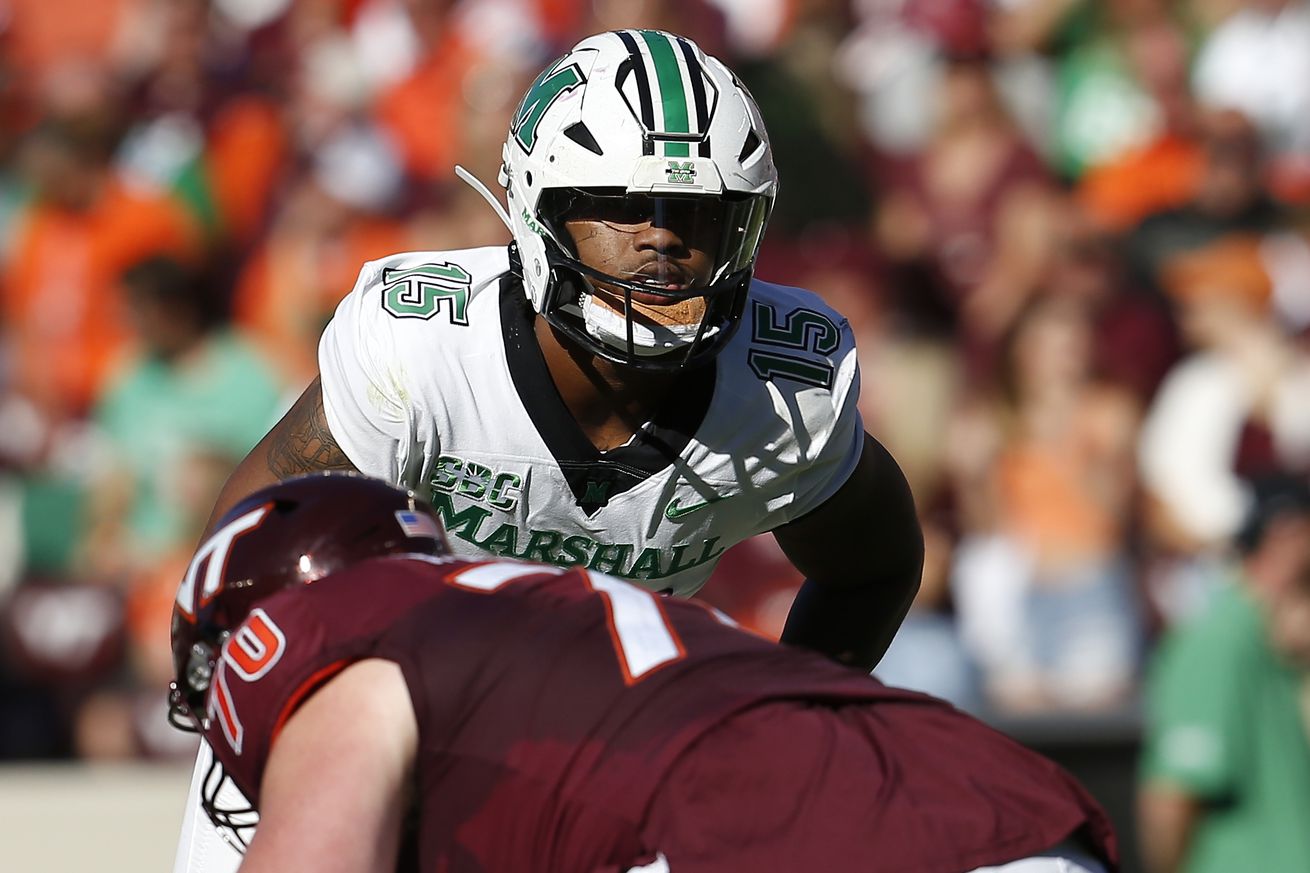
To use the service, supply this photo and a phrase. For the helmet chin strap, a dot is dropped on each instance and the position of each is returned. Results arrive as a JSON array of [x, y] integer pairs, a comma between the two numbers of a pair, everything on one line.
[[476, 184], [611, 328]]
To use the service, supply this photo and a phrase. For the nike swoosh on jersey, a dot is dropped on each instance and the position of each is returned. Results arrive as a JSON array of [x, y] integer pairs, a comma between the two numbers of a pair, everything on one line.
[[673, 511]]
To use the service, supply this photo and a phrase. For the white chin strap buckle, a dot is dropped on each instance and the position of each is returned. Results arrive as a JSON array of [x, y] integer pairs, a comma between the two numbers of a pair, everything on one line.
[[648, 340]]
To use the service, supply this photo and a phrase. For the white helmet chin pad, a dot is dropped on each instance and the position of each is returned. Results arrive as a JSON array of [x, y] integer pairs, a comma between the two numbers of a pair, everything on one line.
[[648, 340]]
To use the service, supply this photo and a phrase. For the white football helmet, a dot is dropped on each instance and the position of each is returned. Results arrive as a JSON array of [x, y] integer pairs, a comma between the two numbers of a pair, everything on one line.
[[640, 129]]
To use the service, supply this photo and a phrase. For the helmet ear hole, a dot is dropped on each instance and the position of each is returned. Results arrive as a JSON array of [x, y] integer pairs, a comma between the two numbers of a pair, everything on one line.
[[527, 178], [750, 146]]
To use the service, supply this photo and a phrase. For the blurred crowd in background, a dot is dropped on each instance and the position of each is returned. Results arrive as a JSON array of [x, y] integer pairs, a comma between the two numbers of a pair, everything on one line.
[[1071, 238]]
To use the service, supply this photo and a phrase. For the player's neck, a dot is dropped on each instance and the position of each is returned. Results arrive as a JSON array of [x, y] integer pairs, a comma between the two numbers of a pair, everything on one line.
[[608, 401]]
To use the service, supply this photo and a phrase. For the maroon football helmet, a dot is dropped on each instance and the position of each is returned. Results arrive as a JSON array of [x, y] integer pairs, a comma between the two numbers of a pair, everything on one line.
[[288, 534]]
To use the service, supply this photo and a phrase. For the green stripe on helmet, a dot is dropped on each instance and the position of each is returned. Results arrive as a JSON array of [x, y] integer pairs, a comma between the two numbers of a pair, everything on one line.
[[672, 95]]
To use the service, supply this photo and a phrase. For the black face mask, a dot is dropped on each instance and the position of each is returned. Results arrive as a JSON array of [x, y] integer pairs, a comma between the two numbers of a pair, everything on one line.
[[725, 229]]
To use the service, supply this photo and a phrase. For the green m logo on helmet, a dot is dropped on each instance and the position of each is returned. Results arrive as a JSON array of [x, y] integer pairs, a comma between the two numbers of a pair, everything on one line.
[[681, 172], [544, 91], [418, 292]]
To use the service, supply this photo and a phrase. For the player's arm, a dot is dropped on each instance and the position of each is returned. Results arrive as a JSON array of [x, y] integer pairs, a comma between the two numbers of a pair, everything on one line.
[[337, 783], [300, 443], [861, 552], [1166, 816]]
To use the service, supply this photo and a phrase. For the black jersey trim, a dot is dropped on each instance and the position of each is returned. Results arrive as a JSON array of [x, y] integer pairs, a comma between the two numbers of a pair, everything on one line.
[[595, 476]]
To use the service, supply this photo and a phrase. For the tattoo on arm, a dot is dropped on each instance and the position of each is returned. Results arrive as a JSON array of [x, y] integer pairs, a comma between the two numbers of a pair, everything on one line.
[[303, 442]]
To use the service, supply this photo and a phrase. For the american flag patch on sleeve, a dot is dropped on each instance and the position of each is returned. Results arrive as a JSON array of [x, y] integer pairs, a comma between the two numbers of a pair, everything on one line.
[[417, 524]]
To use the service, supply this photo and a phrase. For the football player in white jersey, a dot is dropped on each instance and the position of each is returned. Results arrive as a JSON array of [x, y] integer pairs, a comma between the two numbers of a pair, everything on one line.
[[615, 389]]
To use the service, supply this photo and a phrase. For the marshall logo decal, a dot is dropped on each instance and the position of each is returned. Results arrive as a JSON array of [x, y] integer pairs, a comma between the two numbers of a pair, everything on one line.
[[681, 173]]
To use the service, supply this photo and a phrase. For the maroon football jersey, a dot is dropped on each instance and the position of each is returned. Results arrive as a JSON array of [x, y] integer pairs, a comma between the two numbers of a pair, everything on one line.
[[553, 707]]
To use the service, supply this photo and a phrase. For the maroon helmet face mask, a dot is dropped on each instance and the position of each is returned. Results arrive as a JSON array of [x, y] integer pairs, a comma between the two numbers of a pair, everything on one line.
[[289, 534]]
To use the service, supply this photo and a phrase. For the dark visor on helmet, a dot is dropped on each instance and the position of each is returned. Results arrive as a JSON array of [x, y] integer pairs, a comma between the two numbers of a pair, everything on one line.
[[725, 228]]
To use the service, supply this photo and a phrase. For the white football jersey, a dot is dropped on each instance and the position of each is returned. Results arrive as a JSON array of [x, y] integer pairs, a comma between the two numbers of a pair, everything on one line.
[[432, 378]]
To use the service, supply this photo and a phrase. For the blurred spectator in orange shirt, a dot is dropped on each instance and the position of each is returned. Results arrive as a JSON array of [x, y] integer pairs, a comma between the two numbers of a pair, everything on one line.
[[455, 215], [1108, 55], [64, 320], [1161, 172], [218, 140], [423, 114], [333, 219], [244, 156], [1230, 197], [1046, 598]]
